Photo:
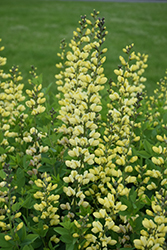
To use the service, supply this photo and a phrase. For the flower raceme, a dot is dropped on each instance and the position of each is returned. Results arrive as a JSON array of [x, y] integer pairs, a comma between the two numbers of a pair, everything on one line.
[[80, 81], [47, 208]]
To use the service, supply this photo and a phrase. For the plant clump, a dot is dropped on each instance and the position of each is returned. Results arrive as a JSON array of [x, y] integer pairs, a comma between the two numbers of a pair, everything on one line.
[[71, 177]]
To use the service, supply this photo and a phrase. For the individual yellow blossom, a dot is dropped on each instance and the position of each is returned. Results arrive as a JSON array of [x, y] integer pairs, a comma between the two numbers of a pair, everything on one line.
[[2, 224], [140, 244], [39, 183], [148, 223], [35, 219], [54, 198], [164, 182], [97, 227], [20, 225], [69, 191], [157, 161], [100, 214], [17, 215], [151, 186], [55, 239], [54, 219], [160, 138], [27, 139], [7, 237], [157, 149], [133, 159], [120, 161]]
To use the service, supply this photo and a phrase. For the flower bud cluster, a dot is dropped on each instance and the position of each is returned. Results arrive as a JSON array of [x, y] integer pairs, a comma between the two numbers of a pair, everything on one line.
[[35, 148], [155, 229], [11, 108], [105, 223], [11, 97], [47, 207], [10, 222], [37, 99]]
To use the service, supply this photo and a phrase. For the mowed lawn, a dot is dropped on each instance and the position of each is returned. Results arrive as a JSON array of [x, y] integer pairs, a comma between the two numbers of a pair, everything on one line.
[[31, 31]]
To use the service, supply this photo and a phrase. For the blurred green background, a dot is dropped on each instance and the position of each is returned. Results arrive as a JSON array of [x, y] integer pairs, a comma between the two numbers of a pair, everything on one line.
[[31, 31]]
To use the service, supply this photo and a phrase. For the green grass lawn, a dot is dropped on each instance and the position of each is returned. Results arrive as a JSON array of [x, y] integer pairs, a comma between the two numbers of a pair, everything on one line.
[[31, 31]]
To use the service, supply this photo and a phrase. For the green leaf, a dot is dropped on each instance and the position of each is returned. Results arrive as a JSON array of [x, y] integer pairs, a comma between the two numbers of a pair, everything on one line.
[[2, 151], [84, 211], [25, 161], [70, 246], [4, 243], [143, 154], [29, 239], [15, 207], [1, 136], [67, 223], [2, 174], [20, 178], [37, 80], [61, 230], [132, 195], [28, 247], [46, 89], [148, 147], [165, 118], [125, 201], [137, 224], [67, 238], [22, 233], [27, 202], [37, 243]]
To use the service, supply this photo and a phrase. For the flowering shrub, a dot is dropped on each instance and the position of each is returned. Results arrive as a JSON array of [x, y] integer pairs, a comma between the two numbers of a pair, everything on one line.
[[71, 179]]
